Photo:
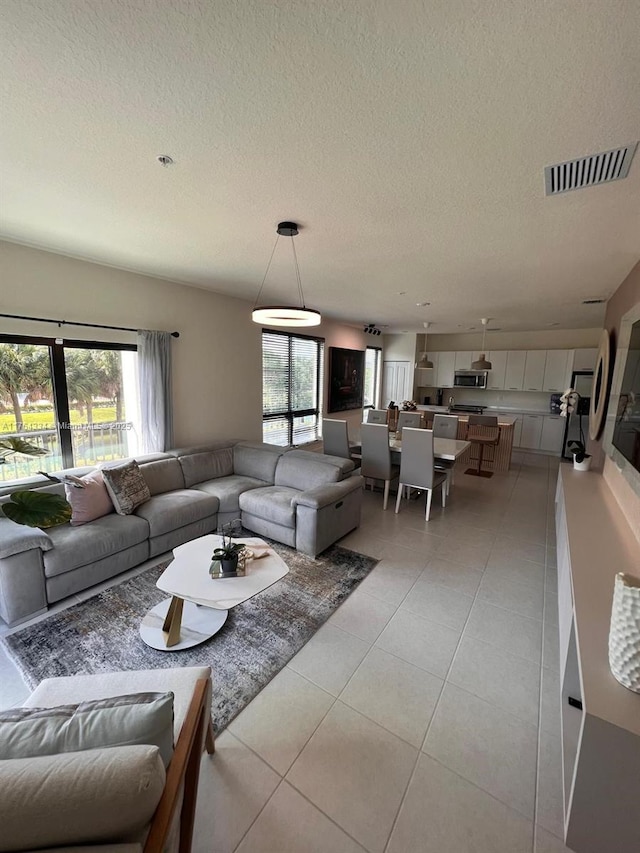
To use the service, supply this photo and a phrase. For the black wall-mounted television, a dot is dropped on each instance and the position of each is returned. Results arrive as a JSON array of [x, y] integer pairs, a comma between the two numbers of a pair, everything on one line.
[[626, 429]]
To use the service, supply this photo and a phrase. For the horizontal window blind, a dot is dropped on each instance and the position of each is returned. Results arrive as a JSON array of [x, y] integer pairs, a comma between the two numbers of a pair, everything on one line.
[[292, 376]]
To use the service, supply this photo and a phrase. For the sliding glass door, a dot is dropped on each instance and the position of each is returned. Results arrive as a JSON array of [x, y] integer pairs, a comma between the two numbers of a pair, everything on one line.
[[27, 408], [76, 400]]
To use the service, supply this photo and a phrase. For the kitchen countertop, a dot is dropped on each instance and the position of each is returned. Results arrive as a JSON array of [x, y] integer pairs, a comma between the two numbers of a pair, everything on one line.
[[544, 412], [503, 420]]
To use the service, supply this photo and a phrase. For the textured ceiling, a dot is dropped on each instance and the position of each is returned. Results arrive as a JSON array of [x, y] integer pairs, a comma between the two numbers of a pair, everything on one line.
[[408, 137]]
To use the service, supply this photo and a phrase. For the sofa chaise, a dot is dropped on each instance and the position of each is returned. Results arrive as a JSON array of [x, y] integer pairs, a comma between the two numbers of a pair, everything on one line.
[[302, 499]]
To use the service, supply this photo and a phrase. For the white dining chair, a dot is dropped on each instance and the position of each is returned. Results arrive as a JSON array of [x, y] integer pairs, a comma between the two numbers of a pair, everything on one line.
[[445, 426], [377, 416], [409, 419], [376, 457], [335, 438], [417, 470]]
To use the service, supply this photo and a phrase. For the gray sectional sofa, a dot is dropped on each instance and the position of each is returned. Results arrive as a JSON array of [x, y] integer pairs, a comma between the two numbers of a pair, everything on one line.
[[303, 499]]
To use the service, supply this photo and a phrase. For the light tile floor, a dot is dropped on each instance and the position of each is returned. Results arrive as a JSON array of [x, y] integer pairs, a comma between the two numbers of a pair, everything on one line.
[[423, 717]]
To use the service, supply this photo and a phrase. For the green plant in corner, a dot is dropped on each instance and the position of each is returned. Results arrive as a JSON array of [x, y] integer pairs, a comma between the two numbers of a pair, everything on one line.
[[32, 508]]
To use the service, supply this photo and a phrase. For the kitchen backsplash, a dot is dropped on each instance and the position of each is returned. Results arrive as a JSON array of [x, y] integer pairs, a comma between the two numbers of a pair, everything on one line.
[[529, 400]]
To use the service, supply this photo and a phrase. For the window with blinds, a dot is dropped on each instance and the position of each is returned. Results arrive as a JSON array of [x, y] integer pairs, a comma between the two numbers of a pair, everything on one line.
[[372, 377], [292, 381]]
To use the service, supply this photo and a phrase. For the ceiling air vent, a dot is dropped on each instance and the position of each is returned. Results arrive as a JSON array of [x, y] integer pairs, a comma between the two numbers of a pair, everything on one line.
[[593, 301], [589, 171]]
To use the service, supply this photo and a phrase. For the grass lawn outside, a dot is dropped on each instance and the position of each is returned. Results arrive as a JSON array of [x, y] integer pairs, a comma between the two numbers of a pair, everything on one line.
[[47, 420]]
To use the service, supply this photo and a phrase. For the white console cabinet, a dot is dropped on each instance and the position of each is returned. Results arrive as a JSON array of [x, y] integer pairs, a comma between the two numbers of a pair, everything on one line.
[[600, 717]]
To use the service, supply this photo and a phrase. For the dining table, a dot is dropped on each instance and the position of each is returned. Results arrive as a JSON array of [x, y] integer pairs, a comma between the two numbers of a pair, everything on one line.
[[446, 449]]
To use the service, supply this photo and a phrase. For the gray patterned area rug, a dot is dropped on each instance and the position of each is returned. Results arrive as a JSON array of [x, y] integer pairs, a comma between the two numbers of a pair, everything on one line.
[[258, 638]]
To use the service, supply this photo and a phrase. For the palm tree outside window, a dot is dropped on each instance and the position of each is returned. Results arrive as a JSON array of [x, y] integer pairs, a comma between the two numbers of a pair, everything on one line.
[[77, 400]]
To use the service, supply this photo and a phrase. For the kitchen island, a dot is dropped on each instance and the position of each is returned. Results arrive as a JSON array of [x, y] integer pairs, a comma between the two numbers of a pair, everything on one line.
[[498, 458]]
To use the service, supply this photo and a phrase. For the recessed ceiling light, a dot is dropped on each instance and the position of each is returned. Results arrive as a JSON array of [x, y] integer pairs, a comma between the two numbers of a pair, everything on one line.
[[553, 324], [402, 292], [422, 304], [165, 160]]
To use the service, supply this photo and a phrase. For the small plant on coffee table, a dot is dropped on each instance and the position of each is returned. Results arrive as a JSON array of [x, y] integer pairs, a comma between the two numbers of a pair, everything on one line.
[[227, 554]]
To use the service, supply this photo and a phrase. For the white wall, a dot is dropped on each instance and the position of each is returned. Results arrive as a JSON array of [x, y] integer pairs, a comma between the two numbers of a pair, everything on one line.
[[217, 360], [401, 347]]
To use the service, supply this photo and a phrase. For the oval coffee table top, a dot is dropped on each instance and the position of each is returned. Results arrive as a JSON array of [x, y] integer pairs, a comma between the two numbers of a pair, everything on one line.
[[187, 576]]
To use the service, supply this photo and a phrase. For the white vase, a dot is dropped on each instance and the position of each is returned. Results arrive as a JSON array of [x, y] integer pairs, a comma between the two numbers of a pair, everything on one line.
[[582, 466], [624, 633]]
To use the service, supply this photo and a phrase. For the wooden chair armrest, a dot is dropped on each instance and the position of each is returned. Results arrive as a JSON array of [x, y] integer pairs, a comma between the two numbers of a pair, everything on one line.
[[184, 768]]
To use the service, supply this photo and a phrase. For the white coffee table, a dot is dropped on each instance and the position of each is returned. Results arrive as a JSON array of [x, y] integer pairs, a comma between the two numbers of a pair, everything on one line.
[[199, 605]]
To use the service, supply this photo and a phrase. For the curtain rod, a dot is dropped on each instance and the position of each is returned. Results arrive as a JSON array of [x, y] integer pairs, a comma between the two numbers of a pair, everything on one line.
[[72, 323]]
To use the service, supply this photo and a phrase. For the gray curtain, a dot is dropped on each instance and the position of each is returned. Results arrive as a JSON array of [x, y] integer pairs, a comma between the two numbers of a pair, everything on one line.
[[154, 379]]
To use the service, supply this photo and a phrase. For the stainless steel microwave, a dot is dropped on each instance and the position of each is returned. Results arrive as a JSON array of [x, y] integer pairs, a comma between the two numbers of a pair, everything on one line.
[[470, 379]]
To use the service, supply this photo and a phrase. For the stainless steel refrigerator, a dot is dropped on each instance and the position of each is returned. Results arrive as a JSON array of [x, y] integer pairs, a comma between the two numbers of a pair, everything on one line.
[[581, 381]]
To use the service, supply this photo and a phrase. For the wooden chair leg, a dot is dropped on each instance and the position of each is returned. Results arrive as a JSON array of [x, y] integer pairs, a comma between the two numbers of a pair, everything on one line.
[[210, 741], [428, 511], [480, 457], [387, 483], [443, 489], [399, 498]]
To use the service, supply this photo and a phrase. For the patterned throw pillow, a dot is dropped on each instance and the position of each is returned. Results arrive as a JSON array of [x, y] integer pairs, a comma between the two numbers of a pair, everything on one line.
[[126, 486]]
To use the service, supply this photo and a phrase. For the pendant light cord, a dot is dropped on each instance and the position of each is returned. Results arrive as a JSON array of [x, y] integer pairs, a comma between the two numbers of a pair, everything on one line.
[[297, 269], [273, 251], [299, 279]]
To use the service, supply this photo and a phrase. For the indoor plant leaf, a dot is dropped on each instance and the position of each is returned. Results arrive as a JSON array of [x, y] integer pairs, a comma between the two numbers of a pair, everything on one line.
[[37, 509]]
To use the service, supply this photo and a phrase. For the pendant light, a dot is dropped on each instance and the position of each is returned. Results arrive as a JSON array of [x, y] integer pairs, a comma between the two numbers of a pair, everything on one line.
[[482, 363], [425, 362], [285, 315]]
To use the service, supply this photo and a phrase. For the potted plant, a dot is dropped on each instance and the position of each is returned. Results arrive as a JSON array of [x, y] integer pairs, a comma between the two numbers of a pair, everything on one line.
[[568, 405], [225, 558], [31, 507], [581, 459]]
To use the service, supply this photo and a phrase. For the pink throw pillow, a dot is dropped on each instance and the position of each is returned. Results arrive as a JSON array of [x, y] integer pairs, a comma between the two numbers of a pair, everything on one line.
[[90, 502]]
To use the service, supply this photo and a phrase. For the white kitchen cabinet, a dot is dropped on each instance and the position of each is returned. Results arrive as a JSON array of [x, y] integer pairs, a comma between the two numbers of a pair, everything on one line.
[[552, 434], [463, 360], [584, 359], [534, 370], [497, 374], [425, 377], [557, 373], [514, 373], [446, 369], [531, 431]]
